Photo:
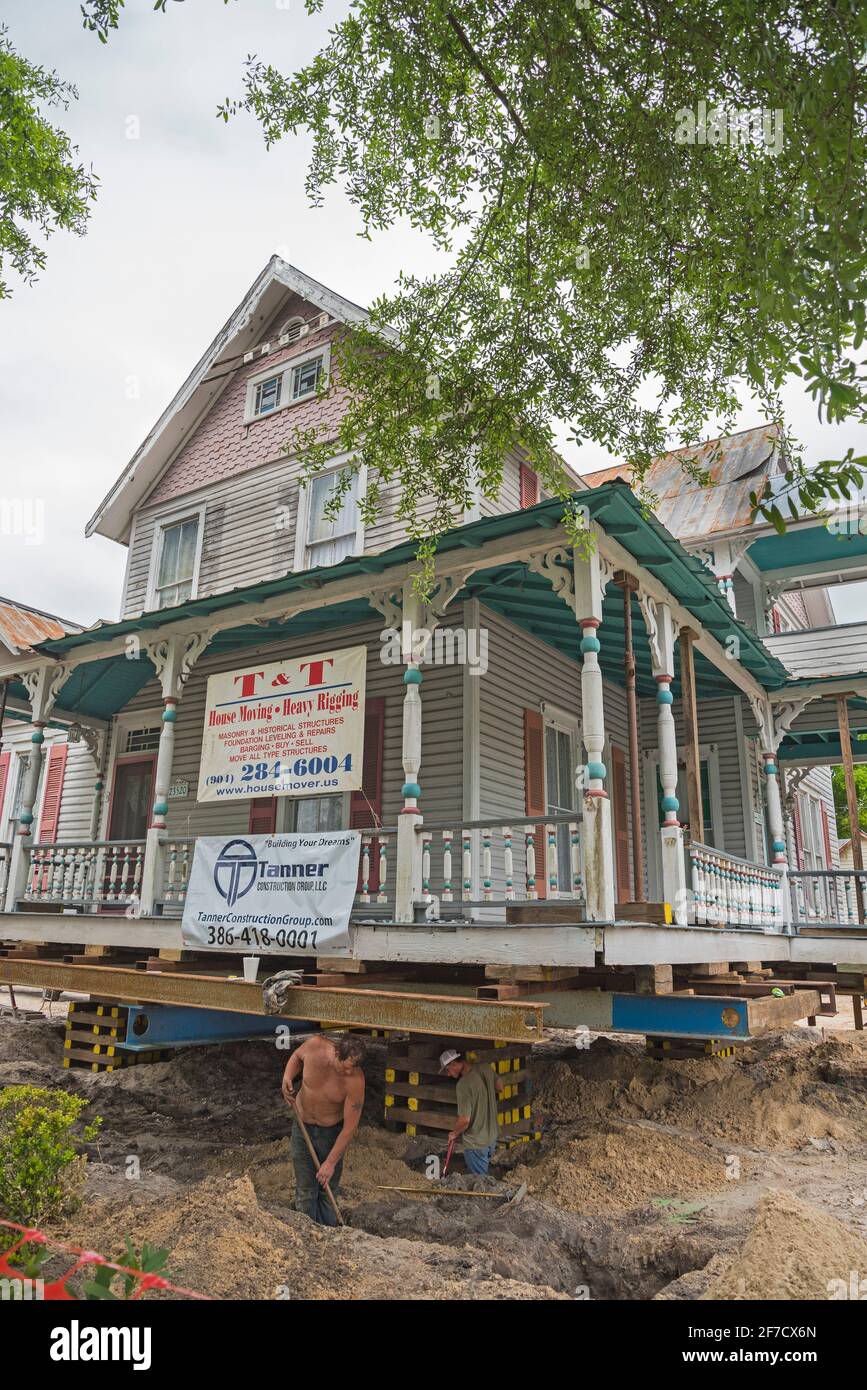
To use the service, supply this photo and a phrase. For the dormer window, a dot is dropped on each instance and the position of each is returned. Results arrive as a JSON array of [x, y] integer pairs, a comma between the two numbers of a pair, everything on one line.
[[293, 381]]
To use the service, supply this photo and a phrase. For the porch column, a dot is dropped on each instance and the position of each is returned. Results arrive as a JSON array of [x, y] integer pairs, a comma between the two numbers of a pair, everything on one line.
[[630, 585], [674, 888], [408, 870], [173, 659], [690, 735], [598, 849], [851, 799], [42, 688]]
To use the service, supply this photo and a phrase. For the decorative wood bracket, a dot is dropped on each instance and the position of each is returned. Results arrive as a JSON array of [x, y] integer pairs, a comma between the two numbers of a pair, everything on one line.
[[43, 687], [174, 658]]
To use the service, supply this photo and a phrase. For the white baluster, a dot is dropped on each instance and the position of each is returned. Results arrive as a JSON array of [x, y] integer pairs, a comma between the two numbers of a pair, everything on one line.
[[508, 864], [426, 838], [448, 891], [467, 865], [364, 895], [553, 864], [575, 859], [530, 840], [381, 896], [487, 880]]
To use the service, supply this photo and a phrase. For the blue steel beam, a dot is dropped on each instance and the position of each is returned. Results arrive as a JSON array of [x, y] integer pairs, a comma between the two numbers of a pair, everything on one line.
[[167, 1025]]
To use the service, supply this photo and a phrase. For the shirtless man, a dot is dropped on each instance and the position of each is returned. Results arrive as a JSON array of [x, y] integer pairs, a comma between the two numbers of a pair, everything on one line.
[[330, 1102]]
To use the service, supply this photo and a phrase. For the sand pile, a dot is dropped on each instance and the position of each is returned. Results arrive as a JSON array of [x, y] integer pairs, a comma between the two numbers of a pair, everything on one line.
[[775, 1101], [223, 1243], [794, 1251], [615, 1171]]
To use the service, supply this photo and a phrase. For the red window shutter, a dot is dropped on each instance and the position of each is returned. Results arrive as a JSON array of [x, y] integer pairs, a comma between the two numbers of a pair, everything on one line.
[[54, 773], [826, 834], [263, 816], [5, 761], [529, 486], [534, 788], [621, 825], [776, 621], [799, 838], [365, 805]]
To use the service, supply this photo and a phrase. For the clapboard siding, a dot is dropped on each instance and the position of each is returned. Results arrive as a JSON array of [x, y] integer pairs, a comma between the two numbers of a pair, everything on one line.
[[745, 601], [442, 723], [822, 651], [525, 673], [77, 797]]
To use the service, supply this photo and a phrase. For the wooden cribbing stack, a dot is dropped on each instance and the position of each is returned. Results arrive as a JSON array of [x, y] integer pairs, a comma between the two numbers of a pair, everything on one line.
[[419, 1100], [94, 1030]]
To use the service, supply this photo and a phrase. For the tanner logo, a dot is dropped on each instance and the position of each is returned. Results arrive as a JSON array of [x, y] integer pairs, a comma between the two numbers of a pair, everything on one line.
[[77, 1343], [235, 870]]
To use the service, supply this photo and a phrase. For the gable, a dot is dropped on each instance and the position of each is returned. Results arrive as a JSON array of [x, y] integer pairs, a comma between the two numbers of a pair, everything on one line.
[[223, 444]]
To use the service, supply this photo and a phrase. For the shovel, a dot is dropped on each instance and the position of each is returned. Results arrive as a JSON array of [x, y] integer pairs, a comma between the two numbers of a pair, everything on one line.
[[318, 1161]]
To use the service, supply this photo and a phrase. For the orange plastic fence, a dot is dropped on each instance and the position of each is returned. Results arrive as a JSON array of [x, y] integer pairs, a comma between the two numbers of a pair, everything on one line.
[[56, 1288]]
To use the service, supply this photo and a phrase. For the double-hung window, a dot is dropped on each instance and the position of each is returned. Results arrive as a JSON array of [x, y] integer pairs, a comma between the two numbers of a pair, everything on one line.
[[267, 395], [332, 525], [177, 556]]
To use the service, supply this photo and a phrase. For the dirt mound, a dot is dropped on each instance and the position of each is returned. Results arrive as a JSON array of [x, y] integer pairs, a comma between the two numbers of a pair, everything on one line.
[[374, 1159], [793, 1251], [223, 1243], [618, 1170], [759, 1098]]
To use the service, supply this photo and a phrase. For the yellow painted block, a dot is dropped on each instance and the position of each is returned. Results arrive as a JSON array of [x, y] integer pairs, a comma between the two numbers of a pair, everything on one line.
[[413, 1078], [472, 1056], [412, 1103], [503, 1066], [389, 1073], [516, 1064], [499, 1119], [410, 1129], [667, 914], [389, 1100]]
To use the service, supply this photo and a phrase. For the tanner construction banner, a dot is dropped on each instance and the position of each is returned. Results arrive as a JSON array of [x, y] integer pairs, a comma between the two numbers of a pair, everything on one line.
[[276, 893], [295, 728]]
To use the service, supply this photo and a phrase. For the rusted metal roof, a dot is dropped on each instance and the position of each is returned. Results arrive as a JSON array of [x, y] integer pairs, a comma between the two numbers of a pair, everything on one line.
[[737, 466], [23, 628]]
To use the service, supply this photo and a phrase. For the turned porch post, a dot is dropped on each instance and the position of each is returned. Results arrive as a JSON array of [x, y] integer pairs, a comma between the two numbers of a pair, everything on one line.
[[629, 585], [674, 886], [598, 849], [695, 812], [173, 659], [42, 687], [408, 871], [851, 799]]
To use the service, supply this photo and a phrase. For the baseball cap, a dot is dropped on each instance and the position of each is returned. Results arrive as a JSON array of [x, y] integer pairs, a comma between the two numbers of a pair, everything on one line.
[[447, 1057]]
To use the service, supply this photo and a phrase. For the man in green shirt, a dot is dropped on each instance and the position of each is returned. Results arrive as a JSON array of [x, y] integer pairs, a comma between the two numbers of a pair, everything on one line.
[[476, 1124]]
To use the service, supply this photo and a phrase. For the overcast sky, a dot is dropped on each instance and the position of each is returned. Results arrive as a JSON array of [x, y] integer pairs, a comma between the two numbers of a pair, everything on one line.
[[188, 214]]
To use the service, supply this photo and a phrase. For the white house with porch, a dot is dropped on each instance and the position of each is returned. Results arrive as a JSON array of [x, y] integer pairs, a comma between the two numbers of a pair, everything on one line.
[[625, 743]]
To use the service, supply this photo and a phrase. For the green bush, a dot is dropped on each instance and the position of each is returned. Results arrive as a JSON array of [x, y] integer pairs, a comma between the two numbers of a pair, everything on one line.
[[41, 1168]]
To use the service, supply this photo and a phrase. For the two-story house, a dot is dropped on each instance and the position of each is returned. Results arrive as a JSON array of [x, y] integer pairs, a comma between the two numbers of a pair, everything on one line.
[[599, 727]]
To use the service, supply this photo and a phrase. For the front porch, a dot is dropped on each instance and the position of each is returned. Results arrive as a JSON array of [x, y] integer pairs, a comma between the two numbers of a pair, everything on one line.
[[617, 705]]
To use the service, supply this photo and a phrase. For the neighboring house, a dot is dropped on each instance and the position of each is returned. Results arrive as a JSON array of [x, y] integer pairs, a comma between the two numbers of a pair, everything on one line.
[[233, 565], [846, 851], [65, 791]]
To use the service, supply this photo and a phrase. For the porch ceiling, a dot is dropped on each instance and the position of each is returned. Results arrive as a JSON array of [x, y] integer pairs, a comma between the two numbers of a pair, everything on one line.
[[821, 744], [807, 545]]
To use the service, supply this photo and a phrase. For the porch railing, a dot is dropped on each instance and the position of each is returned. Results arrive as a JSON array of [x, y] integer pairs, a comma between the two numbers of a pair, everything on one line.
[[826, 895], [729, 891], [510, 861], [85, 875]]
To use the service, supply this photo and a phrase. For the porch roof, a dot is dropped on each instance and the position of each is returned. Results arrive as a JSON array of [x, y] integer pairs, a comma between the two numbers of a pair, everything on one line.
[[104, 685]]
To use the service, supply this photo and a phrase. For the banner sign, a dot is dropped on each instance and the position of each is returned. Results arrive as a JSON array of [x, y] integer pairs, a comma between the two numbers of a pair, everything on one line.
[[280, 894], [295, 728]]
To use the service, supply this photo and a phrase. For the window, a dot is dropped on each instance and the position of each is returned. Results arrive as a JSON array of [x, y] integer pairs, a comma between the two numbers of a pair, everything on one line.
[[329, 538], [278, 388], [268, 395], [560, 793], [178, 549], [305, 378], [145, 740]]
